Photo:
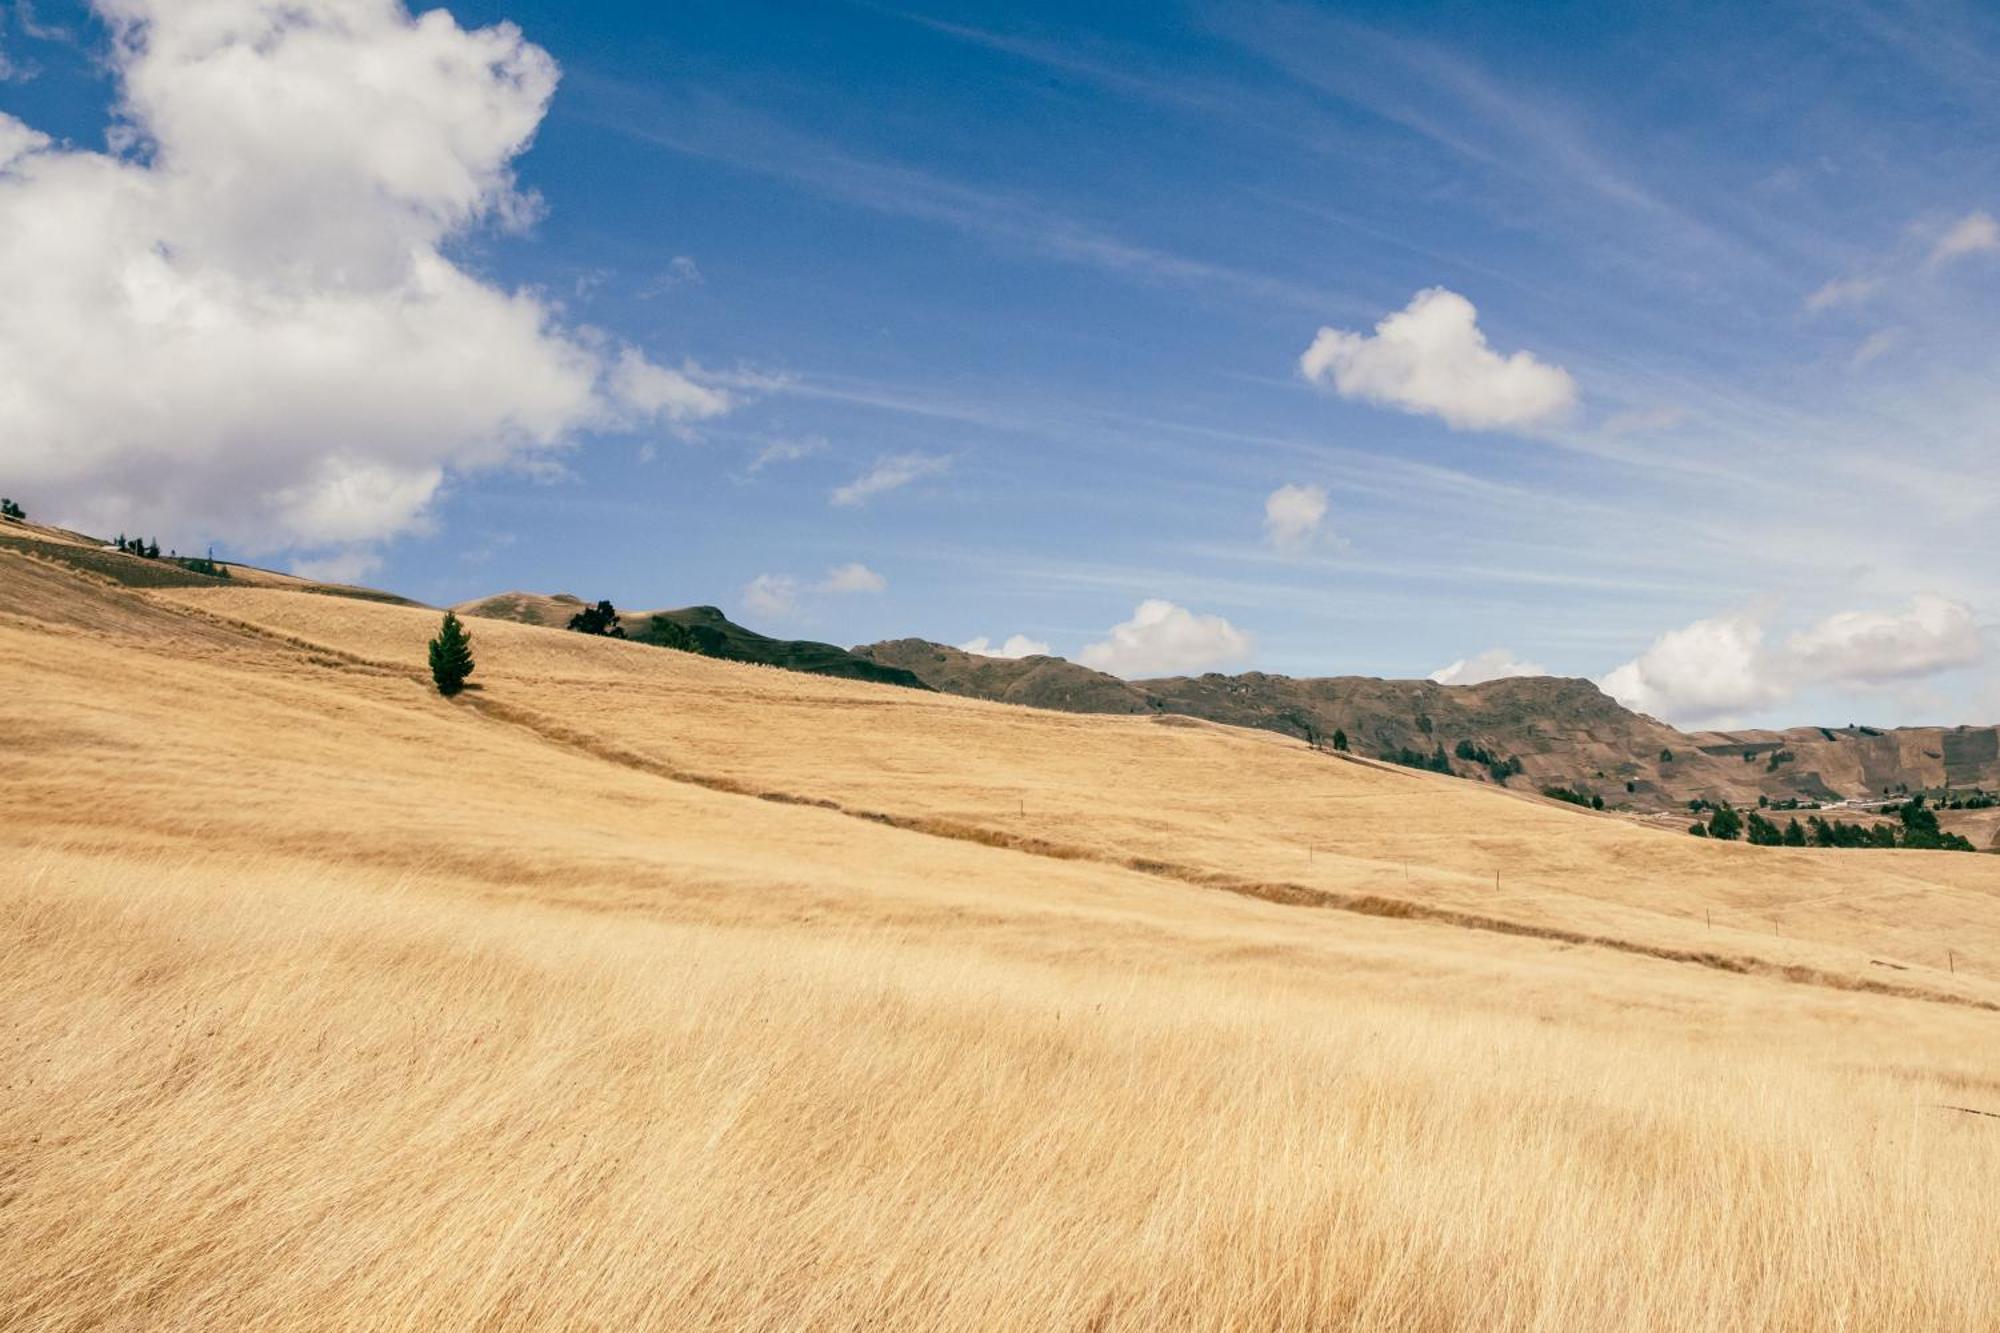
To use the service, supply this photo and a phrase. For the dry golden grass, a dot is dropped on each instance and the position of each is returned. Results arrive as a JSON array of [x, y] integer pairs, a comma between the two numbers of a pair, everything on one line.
[[329, 1004]]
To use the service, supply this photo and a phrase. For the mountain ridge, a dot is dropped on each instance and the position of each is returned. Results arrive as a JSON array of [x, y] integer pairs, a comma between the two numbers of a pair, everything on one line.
[[1565, 731]]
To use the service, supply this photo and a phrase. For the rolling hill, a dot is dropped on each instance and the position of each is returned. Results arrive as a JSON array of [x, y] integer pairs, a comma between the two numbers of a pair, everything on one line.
[[636, 988], [1566, 732], [716, 634]]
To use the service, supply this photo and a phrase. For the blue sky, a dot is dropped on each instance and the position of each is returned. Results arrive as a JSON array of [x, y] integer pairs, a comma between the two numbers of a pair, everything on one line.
[[1006, 305]]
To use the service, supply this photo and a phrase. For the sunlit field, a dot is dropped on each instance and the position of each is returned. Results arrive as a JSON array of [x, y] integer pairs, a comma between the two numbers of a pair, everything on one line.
[[639, 990]]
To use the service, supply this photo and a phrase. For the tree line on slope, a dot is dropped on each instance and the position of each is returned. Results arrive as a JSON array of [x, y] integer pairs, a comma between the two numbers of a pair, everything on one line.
[[1916, 829], [194, 564], [1498, 769]]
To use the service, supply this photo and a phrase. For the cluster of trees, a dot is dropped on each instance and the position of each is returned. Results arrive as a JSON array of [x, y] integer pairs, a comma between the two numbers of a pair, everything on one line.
[[1496, 768], [8, 509], [1437, 761], [601, 619], [1916, 828], [1594, 802], [1979, 800], [150, 550]]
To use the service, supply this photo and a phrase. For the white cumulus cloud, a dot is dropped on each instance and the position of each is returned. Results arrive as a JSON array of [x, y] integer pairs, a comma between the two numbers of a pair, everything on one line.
[[1493, 664], [1716, 668], [1704, 672], [244, 323], [853, 577], [1017, 645], [1164, 639], [1292, 516], [1431, 358], [1867, 647], [1976, 233], [888, 474]]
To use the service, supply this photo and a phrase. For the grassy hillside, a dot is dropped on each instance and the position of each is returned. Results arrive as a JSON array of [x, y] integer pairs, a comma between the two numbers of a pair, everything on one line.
[[715, 635], [639, 989]]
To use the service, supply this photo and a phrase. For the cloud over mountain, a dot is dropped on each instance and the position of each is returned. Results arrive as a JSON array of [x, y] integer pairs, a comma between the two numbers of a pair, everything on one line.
[[1717, 668], [1017, 645], [1164, 639], [1493, 664]]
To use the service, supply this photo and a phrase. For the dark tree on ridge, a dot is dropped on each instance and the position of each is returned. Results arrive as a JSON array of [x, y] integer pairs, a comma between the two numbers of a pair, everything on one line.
[[601, 619]]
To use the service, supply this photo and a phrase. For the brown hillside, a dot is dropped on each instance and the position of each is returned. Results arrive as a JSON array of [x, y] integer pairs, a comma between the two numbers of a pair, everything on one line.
[[1566, 732]]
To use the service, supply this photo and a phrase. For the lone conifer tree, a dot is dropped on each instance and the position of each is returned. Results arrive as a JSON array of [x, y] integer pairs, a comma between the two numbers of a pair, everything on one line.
[[451, 656]]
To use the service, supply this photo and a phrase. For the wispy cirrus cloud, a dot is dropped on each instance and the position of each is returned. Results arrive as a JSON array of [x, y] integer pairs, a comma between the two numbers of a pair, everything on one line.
[[890, 473], [1973, 234], [718, 130]]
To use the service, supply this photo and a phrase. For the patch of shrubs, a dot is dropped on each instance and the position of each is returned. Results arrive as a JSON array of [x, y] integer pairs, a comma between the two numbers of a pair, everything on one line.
[[140, 547], [1496, 768], [1573, 797], [1436, 762], [8, 509], [204, 564]]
